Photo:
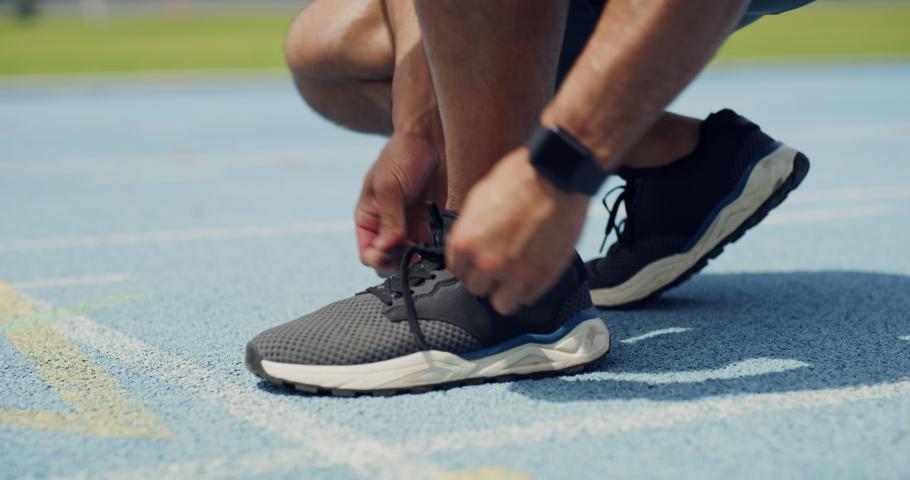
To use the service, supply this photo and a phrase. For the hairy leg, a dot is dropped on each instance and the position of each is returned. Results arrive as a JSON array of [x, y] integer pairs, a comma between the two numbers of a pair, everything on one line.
[[494, 69]]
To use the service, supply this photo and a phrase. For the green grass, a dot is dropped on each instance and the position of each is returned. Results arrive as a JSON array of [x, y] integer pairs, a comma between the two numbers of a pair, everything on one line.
[[821, 30], [64, 44]]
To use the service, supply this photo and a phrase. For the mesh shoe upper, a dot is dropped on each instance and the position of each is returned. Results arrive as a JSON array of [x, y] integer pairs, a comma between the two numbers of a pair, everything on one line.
[[355, 331], [372, 326], [666, 206], [624, 261]]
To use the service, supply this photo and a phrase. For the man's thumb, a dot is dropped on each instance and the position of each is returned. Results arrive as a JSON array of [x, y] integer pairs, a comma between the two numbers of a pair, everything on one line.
[[392, 223]]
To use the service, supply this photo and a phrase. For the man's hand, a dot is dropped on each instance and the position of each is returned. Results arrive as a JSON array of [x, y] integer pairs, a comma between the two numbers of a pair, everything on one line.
[[411, 168], [391, 209], [515, 235]]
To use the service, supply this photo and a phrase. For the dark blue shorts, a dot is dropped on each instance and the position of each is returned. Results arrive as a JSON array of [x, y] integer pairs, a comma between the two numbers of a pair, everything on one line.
[[583, 16]]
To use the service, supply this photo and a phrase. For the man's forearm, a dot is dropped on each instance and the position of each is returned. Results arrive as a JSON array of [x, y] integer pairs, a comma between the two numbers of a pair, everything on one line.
[[642, 55]]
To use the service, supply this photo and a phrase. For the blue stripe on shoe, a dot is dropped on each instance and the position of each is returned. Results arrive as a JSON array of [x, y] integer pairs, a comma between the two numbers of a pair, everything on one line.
[[732, 196], [576, 320]]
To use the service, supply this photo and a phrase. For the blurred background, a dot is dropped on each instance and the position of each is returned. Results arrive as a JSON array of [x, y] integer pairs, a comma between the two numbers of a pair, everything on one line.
[[66, 36]]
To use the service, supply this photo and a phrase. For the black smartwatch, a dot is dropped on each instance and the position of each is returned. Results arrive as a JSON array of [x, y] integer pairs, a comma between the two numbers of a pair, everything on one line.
[[564, 161]]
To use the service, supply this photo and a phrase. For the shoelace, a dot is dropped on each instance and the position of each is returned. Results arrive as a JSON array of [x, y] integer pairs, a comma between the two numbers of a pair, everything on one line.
[[431, 259], [611, 222]]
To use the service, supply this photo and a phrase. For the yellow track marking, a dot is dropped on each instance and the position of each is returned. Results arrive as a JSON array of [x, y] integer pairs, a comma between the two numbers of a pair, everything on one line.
[[100, 405], [39, 319], [12, 304], [493, 472]]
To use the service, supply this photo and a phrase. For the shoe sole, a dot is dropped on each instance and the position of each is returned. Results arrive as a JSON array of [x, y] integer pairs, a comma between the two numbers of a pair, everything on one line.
[[770, 179], [582, 342]]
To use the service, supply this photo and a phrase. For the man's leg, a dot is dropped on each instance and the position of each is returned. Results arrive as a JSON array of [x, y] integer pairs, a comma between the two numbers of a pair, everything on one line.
[[494, 69], [360, 63], [341, 56], [710, 191], [342, 59]]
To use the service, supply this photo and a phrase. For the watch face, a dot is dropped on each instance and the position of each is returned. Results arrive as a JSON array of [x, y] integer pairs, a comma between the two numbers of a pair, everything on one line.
[[562, 162], [555, 154]]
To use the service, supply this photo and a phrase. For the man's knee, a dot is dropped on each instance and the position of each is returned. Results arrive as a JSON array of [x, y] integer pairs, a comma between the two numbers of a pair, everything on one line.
[[340, 41]]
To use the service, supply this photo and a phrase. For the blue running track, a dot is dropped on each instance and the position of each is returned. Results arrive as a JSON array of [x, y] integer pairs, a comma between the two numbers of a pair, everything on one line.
[[148, 231]]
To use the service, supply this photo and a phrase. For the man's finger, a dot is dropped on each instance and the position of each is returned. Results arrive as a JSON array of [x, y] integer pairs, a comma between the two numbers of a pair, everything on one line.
[[535, 291], [455, 261], [385, 264], [392, 222], [366, 231], [505, 299], [478, 282]]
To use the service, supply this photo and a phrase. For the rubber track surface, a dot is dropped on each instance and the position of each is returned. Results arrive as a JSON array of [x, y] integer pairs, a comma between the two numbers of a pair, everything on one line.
[[800, 169]]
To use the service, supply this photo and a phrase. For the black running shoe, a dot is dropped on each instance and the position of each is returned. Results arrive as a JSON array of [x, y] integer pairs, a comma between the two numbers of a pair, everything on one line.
[[422, 330], [680, 216]]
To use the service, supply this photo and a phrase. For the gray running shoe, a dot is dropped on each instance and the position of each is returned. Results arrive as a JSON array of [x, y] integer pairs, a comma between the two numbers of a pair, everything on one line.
[[422, 330], [680, 216]]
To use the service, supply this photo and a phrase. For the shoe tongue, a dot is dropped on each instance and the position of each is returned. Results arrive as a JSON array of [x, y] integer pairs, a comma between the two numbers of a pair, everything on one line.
[[441, 222], [448, 219]]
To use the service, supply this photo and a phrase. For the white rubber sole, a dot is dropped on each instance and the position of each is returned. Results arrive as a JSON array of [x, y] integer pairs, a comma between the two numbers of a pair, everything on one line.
[[585, 343], [765, 178]]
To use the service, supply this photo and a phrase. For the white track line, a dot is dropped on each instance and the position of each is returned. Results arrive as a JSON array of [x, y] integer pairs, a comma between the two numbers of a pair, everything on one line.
[[75, 281], [655, 333], [905, 337], [139, 166], [180, 236], [660, 416], [825, 214], [776, 218], [884, 192], [324, 444], [858, 132], [251, 465], [331, 444], [747, 368]]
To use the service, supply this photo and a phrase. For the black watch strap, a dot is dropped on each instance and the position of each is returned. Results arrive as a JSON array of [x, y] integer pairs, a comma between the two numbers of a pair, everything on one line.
[[564, 161]]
